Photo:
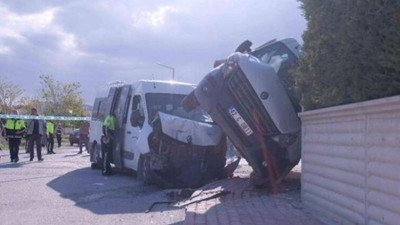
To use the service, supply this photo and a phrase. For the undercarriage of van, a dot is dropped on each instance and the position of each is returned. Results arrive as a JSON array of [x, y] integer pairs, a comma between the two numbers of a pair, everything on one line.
[[176, 163]]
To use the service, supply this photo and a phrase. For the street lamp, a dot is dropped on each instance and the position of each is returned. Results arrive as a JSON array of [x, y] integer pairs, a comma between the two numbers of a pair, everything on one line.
[[168, 67]]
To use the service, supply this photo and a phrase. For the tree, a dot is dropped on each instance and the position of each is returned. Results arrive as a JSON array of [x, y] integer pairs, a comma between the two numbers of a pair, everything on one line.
[[60, 99], [352, 52], [9, 95]]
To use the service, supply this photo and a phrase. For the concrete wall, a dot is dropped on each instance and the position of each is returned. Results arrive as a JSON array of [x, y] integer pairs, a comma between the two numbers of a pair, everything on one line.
[[351, 162]]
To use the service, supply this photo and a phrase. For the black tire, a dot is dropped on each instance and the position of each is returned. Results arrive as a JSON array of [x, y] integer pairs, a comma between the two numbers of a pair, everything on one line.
[[144, 171], [95, 156]]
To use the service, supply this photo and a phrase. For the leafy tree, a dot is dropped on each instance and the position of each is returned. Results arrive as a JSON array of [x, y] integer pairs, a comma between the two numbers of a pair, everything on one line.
[[61, 99], [352, 51], [10, 93]]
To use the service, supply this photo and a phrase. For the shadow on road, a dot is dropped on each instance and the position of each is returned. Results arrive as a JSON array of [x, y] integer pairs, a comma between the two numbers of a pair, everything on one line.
[[115, 194], [10, 165], [71, 155], [13, 165]]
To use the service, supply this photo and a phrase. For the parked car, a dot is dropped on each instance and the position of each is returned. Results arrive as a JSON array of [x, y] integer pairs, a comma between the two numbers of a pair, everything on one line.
[[250, 96], [74, 137]]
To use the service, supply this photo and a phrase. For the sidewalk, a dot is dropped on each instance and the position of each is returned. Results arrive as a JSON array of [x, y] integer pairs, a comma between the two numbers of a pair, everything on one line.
[[240, 203]]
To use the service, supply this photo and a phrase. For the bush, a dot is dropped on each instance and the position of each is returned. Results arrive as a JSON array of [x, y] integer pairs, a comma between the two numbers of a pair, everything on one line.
[[352, 52]]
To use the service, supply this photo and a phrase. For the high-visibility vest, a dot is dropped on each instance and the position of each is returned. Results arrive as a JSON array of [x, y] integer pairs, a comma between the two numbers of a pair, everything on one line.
[[109, 122], [12, 124], [50, 128]]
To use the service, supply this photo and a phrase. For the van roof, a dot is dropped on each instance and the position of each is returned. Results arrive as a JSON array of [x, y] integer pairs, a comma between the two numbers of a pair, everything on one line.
[[157, 86]]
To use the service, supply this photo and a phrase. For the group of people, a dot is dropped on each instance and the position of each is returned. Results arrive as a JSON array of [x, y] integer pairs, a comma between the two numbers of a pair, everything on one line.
[[35, 129]]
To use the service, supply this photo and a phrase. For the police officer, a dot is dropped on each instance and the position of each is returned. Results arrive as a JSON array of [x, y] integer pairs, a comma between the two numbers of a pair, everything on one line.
[[50, 137], [107, 142], [14, 129]]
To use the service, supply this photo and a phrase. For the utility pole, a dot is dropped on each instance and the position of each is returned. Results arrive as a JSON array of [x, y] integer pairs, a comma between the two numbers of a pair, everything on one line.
[[168, 67]]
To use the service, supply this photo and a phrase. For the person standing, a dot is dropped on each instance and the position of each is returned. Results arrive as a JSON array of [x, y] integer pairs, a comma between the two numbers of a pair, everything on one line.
[[83, 136], [59, 131], [14, 129], [50, 137], [107, 142], [1, 133], [36, 128]]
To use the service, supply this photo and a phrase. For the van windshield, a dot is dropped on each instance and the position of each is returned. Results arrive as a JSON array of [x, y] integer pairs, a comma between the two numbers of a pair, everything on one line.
[[171, 104], [278, 56]]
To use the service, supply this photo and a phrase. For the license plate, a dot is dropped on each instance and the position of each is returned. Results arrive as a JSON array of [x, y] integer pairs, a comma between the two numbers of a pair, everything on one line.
[[240, 121]]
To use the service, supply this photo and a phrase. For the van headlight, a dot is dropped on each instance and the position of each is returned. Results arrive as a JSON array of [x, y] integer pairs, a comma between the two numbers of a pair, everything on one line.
[[230, 65]]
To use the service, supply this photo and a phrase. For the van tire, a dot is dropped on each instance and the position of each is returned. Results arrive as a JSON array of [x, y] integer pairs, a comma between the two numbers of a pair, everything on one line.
[[97, 161], [144, 170]]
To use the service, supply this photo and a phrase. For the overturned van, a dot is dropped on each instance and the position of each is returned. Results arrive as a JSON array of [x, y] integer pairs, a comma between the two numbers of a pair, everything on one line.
[[156, 137], [250, 96]]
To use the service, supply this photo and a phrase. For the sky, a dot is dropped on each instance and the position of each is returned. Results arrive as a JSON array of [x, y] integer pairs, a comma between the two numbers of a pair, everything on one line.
[[95, 42]]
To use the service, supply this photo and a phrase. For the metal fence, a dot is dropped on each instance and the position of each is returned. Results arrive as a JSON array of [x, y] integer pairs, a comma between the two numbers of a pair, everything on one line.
[[351, 161]]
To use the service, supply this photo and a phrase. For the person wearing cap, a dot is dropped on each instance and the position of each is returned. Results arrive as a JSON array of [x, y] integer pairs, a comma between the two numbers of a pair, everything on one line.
[[50, 137], [36, 129], [107, 142], [14, 129]]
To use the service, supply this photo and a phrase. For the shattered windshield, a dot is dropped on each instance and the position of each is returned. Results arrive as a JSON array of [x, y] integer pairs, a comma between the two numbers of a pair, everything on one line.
[[278, 56], [171, 104]]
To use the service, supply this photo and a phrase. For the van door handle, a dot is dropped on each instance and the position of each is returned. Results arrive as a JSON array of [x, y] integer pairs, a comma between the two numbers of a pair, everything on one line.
[[128, 132]]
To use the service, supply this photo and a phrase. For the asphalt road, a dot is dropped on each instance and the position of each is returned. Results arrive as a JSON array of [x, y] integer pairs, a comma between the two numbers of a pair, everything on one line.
[[63, 189]]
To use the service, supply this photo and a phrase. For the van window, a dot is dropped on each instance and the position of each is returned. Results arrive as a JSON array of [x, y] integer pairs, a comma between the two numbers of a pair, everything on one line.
[[171, 104], [95, 108], [137, 115], [99, 108]]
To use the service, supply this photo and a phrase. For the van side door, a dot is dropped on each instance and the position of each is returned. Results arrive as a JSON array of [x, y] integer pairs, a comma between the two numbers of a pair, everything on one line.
[[120, 111], [134, 125]]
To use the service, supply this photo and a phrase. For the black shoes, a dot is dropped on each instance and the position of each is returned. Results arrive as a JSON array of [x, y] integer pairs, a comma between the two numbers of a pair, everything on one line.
[[41, 159], [31, 159], [16, 160]]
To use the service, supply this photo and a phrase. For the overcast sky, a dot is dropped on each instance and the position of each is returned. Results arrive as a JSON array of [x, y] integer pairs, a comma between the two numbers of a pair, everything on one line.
[[95, 42]]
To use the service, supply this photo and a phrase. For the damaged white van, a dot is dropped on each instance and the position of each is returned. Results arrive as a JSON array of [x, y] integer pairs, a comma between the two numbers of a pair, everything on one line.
[[156, 137]]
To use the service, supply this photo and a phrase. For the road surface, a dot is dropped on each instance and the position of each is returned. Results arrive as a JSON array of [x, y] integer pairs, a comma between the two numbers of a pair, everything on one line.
[[63, 189]]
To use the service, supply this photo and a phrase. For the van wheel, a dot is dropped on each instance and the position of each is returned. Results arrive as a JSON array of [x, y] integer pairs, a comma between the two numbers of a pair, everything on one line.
[[144, 171], [95, 156]]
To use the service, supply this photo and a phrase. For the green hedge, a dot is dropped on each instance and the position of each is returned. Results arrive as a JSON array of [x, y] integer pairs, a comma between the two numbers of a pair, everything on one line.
[[351, 52]]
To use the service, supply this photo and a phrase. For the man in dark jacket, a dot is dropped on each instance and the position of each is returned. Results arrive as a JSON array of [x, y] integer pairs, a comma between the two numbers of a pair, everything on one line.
[[59, 132], [36, 129], [14, 129]]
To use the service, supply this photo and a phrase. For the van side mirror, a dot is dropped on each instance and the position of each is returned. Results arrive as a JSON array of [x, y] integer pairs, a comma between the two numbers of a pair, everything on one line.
[[137, 119], [244, 47]]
